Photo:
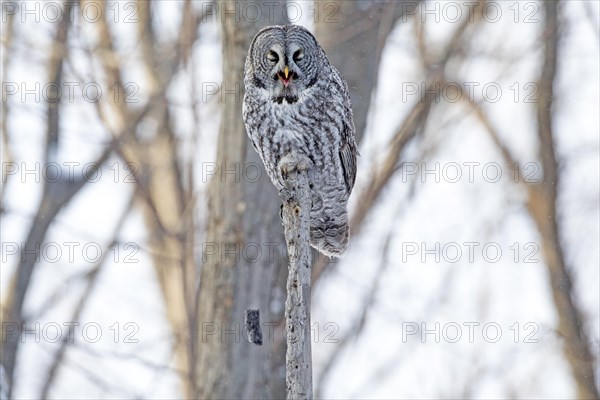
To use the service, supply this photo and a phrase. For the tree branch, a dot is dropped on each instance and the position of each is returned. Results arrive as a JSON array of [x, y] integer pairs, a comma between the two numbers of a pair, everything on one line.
[[92, 280], [542, 205], [54, 196]]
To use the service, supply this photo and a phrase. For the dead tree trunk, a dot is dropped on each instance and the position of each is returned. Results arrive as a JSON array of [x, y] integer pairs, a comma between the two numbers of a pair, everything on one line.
[[296, 208]]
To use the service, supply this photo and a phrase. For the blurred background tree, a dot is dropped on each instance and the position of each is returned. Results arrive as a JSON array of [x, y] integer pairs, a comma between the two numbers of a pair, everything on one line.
[[122, 132]]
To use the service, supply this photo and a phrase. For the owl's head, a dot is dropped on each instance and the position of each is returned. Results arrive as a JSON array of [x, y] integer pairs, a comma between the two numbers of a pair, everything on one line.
[[284, 60]]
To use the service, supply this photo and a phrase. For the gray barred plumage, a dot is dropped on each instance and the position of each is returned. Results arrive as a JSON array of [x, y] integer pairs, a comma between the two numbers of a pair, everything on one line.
[[296, 103]]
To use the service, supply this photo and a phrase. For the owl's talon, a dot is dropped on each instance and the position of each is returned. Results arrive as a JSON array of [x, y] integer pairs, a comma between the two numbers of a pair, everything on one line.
[[291, 164]]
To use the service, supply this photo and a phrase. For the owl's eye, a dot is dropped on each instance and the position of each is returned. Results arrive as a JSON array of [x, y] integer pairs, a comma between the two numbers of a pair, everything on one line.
[[272, 56], [298, 55]]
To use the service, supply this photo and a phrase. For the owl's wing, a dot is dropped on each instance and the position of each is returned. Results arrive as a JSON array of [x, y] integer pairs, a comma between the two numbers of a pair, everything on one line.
[[348, 147], [245, 116], [348, 152]]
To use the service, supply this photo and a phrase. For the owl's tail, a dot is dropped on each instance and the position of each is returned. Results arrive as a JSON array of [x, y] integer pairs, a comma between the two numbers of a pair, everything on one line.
[[330, 237]]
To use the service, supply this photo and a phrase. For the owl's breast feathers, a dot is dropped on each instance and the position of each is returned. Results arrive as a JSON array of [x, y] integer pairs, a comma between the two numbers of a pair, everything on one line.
[[319, 125]]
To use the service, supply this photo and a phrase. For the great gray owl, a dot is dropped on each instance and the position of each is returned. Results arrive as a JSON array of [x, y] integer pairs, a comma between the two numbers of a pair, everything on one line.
[[296, 103]]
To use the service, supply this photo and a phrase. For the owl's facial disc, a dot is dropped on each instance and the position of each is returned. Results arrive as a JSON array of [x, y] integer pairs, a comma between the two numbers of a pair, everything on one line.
[[280, 70]]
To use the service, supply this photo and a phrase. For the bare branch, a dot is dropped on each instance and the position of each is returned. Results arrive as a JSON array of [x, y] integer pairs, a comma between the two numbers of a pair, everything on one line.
[[92, 276], [542, 204], [53, 199]]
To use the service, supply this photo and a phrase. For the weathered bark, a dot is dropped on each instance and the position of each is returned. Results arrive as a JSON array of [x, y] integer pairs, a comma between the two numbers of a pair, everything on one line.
[[542, 204], [244, 261], [296, 220]]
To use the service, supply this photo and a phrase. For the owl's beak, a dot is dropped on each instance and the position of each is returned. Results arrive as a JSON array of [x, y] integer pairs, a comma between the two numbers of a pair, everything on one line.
[[285, 76]]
